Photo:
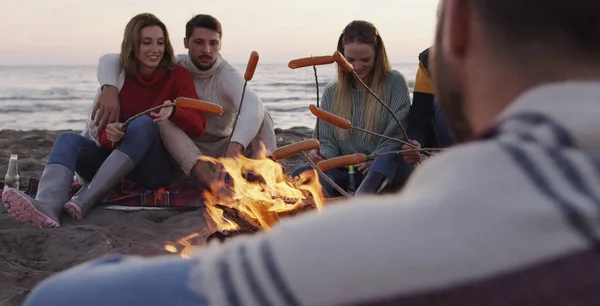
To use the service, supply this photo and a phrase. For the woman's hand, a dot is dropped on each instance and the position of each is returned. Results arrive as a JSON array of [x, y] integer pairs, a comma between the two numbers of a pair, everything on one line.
[[364, 167], [163, 114], [114, 132], [315, 156], [412, 156]]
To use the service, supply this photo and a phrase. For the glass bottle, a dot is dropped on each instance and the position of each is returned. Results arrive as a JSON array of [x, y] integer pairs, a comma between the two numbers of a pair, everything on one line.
[[351, 181], [11, 180]]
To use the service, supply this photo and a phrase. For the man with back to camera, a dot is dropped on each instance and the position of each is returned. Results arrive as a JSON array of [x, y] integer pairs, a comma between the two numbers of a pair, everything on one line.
[[512, 218]]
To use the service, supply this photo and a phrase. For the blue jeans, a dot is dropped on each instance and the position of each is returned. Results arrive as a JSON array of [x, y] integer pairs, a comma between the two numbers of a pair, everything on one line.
[[120, 280], [142, 143], [393, 167]]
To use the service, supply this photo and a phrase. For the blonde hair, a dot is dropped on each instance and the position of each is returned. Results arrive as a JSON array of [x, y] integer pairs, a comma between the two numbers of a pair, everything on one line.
[[363, 32], [132, 40]]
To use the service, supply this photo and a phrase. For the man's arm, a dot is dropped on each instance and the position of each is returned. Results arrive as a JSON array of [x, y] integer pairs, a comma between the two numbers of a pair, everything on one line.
[[107, 108], [109, 68], [252, 112]]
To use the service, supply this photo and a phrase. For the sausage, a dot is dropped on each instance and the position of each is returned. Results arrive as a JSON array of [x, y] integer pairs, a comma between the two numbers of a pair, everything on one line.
[[329, 117], [340, 161], [311, 61], [295, 148], [252, 63], [199, 105], [342, 62]]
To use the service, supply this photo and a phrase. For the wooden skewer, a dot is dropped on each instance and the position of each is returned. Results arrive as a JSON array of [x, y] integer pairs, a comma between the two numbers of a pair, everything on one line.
[[250, 68]]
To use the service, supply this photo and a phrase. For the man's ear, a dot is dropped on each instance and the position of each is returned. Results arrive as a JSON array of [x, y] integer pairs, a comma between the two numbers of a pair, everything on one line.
[[458, 27], [186, 42]]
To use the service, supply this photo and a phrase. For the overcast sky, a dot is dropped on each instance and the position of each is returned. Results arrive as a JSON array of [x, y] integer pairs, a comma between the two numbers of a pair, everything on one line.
[[57, 32]]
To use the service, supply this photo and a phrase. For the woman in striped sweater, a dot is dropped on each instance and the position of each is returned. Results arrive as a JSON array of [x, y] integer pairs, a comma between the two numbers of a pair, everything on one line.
[[363, 47]]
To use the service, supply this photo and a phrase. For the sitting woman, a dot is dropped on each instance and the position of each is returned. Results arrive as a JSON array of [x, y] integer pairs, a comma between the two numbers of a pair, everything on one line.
[[362, 46], [102, 158]]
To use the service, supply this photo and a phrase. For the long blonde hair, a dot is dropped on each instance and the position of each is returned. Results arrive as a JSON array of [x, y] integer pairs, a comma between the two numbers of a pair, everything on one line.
[[132, 39], [363, 32]]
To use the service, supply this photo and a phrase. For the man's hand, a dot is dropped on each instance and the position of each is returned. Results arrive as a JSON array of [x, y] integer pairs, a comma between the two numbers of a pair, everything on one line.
[[364, 167], [234, 149], [315, 156], [107, 108], [114, 132], [413, 156], [163, 114]]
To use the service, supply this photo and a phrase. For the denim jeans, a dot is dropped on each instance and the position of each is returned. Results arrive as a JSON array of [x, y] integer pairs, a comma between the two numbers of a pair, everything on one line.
[[142, 143], [393, 167], [120, 281]]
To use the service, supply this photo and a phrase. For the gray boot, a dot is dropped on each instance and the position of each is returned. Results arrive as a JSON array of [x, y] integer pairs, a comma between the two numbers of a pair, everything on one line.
[[116, 166], [46, 208]]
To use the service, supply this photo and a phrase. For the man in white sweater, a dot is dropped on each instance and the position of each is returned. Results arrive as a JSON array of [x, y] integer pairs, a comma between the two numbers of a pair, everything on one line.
[[216, 81], [510, 216]]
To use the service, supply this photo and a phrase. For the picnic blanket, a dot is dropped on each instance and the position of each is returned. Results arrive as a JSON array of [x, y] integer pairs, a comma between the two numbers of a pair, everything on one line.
[[179, 194]]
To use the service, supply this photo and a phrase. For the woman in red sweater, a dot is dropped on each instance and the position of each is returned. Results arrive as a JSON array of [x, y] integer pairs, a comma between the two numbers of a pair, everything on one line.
[[151, 78]]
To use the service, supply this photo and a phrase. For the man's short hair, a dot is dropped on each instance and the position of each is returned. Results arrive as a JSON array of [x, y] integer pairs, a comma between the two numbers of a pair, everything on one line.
[[203, 21], [569, 27]]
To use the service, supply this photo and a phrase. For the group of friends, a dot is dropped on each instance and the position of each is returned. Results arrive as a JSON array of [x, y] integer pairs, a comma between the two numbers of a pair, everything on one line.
[[157, 149], [507, 215]]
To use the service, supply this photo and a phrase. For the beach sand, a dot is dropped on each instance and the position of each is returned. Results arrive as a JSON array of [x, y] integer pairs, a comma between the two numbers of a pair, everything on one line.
[[28, 255]]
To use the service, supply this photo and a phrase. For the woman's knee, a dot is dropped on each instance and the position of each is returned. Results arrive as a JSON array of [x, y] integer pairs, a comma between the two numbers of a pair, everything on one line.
[[301, 169], [141, 131], [69, 140]]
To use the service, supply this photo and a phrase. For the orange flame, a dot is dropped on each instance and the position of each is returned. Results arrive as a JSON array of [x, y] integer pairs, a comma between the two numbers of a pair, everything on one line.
[[262, 200]]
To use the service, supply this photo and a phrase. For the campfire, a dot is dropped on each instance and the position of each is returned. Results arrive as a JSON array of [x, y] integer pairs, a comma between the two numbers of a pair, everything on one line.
[[256, 196]]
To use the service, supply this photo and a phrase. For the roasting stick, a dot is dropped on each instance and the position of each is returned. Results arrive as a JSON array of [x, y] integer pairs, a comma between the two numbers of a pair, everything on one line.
[[250, 68], [346, 66], [314, 62], [346, 124], [302, 147], [181, 102]]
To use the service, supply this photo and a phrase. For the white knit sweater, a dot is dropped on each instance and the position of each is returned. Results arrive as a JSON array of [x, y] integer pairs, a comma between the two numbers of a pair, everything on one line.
[[474, 212]]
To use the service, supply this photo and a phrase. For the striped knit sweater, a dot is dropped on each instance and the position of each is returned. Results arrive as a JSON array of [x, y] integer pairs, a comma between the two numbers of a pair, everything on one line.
[[506, 220], [396, 96]]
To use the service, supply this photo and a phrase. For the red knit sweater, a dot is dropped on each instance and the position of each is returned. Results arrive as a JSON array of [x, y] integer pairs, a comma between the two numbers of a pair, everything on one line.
[[141, 93]]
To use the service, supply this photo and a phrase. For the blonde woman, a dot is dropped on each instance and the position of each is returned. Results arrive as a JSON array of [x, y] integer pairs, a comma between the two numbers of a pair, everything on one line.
[[151, 78], [363, 47]]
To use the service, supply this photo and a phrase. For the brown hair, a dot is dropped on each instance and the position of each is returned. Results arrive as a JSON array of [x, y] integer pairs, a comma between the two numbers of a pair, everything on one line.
[[364, 32], [565, 29], [203, 21], [132, 39]]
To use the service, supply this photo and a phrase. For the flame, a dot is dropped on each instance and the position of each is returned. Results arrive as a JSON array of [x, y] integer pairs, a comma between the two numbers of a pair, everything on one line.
[[259, 190]]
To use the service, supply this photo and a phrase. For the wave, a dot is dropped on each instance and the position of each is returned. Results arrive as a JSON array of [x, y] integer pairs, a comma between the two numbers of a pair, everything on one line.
[[286, 99], [26, 98], [296, 84]]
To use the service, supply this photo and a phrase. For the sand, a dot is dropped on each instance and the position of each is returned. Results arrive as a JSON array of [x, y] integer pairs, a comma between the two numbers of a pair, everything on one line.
[[28, 254]]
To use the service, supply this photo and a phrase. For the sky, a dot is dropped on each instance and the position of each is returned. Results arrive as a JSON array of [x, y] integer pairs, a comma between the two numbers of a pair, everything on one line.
[[78, 32]]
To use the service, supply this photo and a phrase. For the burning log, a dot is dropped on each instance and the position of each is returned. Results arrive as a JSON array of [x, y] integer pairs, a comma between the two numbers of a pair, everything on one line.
[[248, 225], [222, 235]]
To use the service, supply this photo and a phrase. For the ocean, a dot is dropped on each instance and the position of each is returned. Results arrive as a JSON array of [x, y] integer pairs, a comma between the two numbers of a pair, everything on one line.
[[60, 97]]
